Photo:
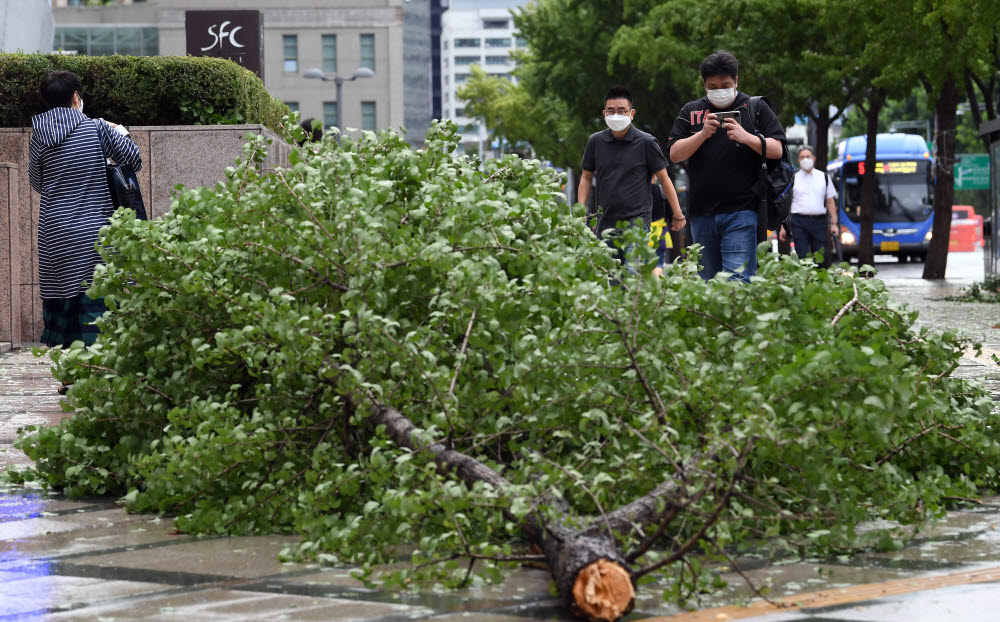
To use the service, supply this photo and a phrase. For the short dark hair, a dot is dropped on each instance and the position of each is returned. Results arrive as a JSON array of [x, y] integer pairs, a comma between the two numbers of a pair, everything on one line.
[[57, 88], [619, 92], [720, 63], [312, 129]]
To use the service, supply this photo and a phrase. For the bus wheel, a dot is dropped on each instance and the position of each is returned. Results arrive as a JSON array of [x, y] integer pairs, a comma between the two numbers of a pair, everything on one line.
[[903, 258]]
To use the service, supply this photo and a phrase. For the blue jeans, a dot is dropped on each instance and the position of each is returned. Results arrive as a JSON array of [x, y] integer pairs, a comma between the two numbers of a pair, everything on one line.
[[729, 243]]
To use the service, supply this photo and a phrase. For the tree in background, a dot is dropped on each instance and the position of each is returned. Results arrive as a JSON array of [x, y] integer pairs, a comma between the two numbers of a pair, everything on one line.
[[510, 112], [951, 33]]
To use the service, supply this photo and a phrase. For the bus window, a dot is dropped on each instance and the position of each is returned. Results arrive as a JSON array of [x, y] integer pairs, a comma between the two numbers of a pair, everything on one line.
[[903, 193]]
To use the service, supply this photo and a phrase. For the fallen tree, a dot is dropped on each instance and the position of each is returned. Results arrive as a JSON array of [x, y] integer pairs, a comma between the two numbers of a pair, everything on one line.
[[379, 346]]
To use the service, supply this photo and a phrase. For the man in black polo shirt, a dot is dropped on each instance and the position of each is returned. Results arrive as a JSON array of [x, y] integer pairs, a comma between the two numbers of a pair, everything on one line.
[[724, 168], [623, 159]]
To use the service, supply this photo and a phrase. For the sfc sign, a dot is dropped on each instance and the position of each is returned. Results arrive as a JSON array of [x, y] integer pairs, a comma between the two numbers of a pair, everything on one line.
[[235, 35]]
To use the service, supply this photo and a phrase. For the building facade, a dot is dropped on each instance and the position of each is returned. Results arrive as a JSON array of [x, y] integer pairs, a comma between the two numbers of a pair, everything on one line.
[[390, 37], [25, 26], [475, 32]]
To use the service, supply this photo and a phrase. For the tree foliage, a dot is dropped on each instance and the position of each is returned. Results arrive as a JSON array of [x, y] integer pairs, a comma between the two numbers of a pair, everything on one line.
[[255, 329]]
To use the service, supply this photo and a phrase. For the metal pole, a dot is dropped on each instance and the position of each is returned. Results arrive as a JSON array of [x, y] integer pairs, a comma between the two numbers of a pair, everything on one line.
[[340, 82]]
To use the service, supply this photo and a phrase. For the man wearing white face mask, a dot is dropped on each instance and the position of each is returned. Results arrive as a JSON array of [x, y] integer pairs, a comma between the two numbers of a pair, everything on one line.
[[724, 167], [623, 159], [814, 211]]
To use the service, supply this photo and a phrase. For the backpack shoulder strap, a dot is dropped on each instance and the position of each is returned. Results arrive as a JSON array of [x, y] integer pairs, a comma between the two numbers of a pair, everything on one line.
[[754, 109], [100, 138]]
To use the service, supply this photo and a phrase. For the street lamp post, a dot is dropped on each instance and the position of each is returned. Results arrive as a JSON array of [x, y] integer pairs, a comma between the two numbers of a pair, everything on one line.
[[317, 74]]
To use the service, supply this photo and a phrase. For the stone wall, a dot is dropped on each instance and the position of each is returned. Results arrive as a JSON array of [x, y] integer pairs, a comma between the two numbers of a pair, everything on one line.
[[190, 155], [10, 264]]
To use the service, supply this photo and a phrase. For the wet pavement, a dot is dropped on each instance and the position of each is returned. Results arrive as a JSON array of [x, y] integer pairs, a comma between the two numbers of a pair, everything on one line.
[[88, 560]]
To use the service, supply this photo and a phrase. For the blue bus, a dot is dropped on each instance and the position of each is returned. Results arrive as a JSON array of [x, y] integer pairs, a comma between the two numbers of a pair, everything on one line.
[[904, 209]]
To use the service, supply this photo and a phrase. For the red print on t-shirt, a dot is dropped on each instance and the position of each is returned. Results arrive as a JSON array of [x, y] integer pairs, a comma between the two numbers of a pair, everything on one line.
[[697, 116]]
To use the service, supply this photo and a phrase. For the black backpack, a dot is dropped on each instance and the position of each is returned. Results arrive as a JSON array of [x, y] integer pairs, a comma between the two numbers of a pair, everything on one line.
[[776, 180]]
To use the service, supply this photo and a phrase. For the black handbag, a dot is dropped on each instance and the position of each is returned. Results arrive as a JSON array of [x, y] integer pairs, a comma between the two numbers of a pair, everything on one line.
[[122, 182]]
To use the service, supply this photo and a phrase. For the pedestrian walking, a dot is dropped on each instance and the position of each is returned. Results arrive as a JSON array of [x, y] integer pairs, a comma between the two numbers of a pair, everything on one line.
[[814, 211], [724, 167], [622, 160], [67, 168]]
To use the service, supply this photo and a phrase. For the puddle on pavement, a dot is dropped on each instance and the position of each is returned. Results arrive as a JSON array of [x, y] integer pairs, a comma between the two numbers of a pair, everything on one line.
[[133, 554]]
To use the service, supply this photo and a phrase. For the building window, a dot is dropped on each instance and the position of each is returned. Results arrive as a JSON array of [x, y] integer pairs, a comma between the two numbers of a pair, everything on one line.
[[368, 116], [330, 53], [104, 40], [466, 60], [493, 24], [471, 128], [459, 112], [465, 43], [497, 60], [290, 45], [498, 43], [293, 106], [368, 51], [329, 114], [461, 78]]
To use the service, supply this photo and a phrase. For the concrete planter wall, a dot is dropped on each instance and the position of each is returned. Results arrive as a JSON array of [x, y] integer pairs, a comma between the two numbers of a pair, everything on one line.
[[190, 155]]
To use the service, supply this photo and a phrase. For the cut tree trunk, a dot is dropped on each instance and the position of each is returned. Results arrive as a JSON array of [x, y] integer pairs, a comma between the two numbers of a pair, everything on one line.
[[591, 574]]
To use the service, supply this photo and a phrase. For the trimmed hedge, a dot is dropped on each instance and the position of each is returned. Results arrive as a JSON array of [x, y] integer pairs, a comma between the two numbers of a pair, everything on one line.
[[142, 90]]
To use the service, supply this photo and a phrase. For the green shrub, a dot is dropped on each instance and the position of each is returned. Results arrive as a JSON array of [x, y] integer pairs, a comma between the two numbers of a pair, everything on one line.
[[142, 90]]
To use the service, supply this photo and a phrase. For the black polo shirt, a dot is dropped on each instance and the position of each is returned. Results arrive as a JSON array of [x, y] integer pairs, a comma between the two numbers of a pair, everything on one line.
[[623, 169], [723, 174]]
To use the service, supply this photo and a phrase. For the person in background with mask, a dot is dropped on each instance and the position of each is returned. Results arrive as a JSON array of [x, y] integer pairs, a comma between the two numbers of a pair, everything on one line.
[[724, 168], [814, 211], [622, 159], [67, 168]]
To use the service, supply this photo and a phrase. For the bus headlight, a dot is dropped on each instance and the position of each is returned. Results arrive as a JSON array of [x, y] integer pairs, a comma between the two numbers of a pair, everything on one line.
[[927, 238], [846, 237]]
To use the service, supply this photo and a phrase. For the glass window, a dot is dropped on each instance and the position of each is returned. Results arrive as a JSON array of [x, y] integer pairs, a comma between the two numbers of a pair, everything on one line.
[[466, 43], [330, 53], [496, 60], [293, 106], [151, 41], [368, 116], [471, 128], [290, 45], [74, 39], [461, 78], [521, 42], [494, 23], [368, 51], [466, 60], [329, 114], [102, 41], [459, 112], [498, 43], [128, 41]]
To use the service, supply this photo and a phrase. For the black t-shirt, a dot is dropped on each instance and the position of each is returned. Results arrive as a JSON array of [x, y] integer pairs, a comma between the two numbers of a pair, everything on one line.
[[623, 168], [723, 174]]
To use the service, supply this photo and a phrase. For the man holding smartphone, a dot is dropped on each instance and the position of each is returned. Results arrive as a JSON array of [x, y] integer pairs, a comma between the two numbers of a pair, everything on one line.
[[724, 167]]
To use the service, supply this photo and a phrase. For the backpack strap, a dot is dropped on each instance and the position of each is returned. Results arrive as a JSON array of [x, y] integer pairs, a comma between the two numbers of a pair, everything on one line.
[[100, 138]]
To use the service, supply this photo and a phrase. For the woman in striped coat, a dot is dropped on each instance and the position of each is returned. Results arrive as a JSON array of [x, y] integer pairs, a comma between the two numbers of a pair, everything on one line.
[[67, 168]]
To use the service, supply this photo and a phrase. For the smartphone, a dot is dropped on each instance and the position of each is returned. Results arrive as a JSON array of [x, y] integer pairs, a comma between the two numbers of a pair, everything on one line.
[[732, 114]]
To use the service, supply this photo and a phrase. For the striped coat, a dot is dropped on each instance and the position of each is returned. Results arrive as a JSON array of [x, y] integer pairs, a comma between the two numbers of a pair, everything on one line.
[[67, 169]]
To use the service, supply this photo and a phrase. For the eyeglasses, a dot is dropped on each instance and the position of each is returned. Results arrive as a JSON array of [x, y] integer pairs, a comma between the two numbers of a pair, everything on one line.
[[621, 111]]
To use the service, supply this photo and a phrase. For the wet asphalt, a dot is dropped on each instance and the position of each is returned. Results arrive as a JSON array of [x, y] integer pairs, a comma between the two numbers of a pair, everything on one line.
[[88, 560]]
